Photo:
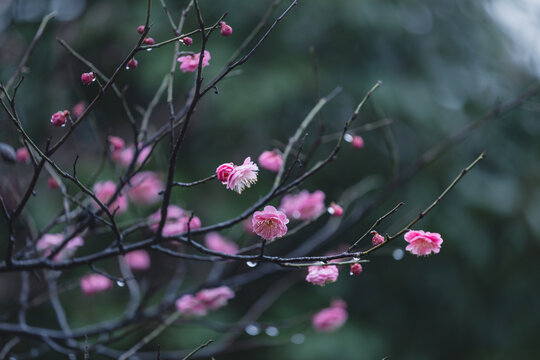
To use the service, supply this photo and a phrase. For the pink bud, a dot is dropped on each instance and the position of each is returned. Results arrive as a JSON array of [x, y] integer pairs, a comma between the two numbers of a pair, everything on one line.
[[356, 269], [149, 41], [88, 78], [226, 30], [187, 40], [52, 183], [132, 64], [59, 118], [22, 155], [140, 29], [138, 260], [357, 142], [377, 239], [78, 109], [116, 143], [335, 209]]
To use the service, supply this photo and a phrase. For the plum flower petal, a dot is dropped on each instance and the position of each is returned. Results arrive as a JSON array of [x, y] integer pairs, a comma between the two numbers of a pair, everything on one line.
[[303, 206], [215, 298], [270, 223], [145, 188], [242, 176], [423, 243], [271, 160], [48, 242], [189, 305], [322, 275], [104, 190], [216, 242], [223, 171], [190, 63], [176, 223], [331, 318], [95, 283], [138, 260]]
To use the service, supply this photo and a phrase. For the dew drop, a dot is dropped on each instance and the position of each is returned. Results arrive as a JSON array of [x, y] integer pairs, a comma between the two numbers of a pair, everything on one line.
[[251, 264], [351, 273], [121, 283], [298, 339], [348, 137], [331, 210], [398, 254], [149, 49], [253, 329], [357, 259], [272, 331]]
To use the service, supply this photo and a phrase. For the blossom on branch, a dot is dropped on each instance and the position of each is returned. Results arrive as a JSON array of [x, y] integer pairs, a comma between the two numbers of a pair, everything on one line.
[[48, 242], [204, 300], [190, 63], [176, 223], [423, 243], [242, 176], [104, 190], [322, 275], [145, 188], [269, 223], [271, 160], [303, 206], [214, 241], [138, 260], [95, 283]]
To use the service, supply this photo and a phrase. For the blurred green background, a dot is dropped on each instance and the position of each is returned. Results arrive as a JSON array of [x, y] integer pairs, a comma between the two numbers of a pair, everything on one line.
[[444, 64]]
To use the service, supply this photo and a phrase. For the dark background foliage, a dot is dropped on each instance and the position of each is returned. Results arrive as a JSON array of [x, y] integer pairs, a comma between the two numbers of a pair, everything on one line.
[[444, 64]]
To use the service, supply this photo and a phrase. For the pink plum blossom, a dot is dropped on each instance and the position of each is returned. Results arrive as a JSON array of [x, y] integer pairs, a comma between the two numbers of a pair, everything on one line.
[[176, 223], [214, 241], [104, 190], [190, 63], [226, 30], [78, 108], [331, 318], [322, 275], [423, 243], [138, 260], [145, 188], [48, 242], [215, 298], [189, 305], [116, 143], [88, 78], [242, 176], [303, 206], [95, 283], [132, 64], [270, 223], [204, 300], [357, 142], [335, 210], [223, 171], [377, 239], [187, 40], [123, 155], [149, 41], [59, 118], [140, 29], [271, 160], [52, 183], [356, 269], [22, 155]]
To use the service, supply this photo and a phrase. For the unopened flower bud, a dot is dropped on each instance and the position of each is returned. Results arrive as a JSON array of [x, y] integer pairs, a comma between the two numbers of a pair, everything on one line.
[[140, 29], [377, 239], [357, 142], [335, 210], [88, 78], [226, 30], [132, 64], [356, 269], [187, 40], [59, 118], [149, 41], [52, 183]]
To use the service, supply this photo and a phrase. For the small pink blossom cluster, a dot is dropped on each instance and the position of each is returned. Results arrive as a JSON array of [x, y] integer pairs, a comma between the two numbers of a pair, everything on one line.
[[271, 160], [331, 318], [238, 177], [423, 243], [303, 206], [322, 275], [22, 155], [190, 63], [145, 188], [59, 118], [204, 300], [95, 283], [214, 241], [123, 155], [88, 78], [269, 223], [104, 190], [48, 242], [176, 223], [138, 260]]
